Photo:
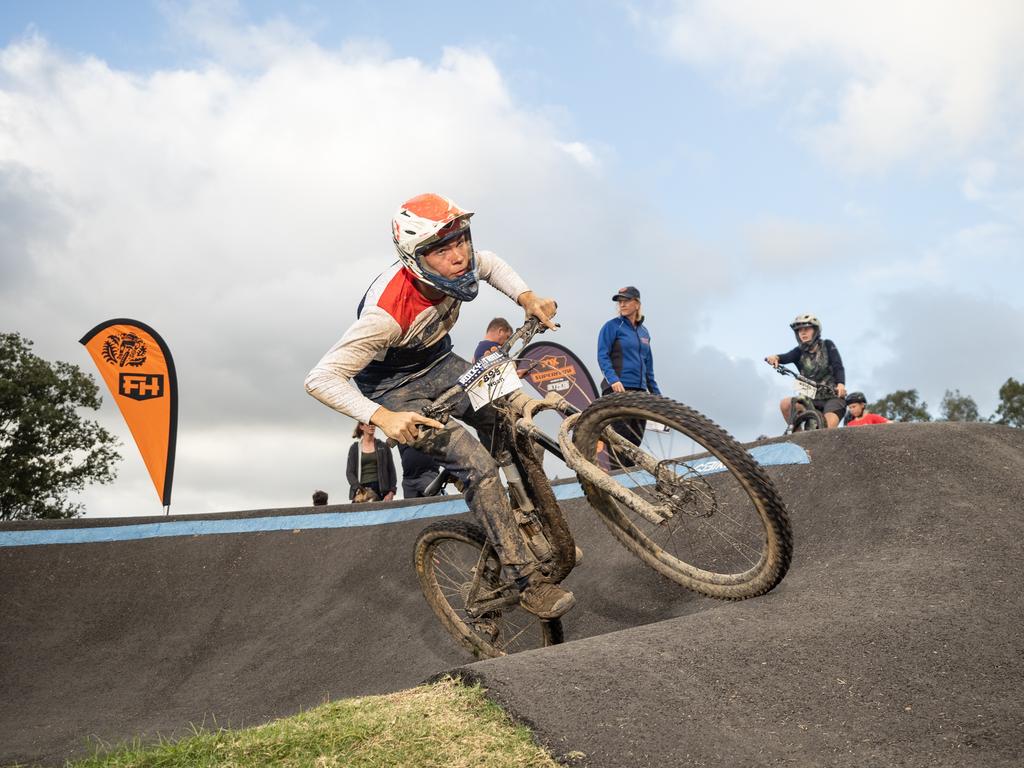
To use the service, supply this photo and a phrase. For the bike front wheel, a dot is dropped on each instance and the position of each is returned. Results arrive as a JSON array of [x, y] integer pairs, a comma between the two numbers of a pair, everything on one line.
[[810, 419], [461, 578], [725, 532]]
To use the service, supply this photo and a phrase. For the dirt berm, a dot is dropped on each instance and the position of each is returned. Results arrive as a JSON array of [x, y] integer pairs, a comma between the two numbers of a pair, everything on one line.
[[894, 640]]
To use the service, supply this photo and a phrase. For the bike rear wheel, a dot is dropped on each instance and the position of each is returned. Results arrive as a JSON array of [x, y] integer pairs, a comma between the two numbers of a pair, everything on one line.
[[728, 534], [448, 556]]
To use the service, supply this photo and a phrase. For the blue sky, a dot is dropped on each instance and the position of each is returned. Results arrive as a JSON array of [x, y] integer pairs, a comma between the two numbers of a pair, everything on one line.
[[740, 163]]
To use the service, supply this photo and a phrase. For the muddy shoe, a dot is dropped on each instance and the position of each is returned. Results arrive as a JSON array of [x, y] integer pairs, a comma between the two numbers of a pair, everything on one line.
[[545, 600]]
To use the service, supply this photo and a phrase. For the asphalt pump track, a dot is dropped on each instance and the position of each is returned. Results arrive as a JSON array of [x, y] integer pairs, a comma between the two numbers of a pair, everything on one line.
[[894, 640]]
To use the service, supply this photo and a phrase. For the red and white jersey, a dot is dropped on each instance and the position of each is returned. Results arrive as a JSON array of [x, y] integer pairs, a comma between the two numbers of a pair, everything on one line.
[[395, 314]]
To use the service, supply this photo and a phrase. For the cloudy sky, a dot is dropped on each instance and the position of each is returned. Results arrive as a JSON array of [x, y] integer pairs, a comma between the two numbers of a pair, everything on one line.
[[226, 172]]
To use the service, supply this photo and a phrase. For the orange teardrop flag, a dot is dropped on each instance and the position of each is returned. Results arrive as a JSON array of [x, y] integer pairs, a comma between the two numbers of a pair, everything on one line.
[[137, 366]]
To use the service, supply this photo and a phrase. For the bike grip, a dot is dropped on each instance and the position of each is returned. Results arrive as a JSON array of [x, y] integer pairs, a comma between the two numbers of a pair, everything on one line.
[[391, 442]]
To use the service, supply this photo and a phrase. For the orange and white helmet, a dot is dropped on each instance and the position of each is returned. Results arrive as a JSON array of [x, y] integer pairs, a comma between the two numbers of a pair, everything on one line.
[[424, 223]]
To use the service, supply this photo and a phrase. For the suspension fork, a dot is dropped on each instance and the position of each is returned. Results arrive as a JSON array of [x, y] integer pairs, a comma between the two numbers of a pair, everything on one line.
[[532, 489], [596, 476]]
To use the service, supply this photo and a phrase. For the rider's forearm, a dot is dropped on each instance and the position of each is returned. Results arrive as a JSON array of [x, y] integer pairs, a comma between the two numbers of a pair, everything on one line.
[[330, 381], [793, 356], [338, 392], [525, 298], [380, 417], [496, 272]]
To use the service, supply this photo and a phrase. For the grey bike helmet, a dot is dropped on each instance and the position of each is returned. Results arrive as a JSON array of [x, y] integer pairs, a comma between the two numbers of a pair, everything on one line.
[[856, 397], [806, 321]]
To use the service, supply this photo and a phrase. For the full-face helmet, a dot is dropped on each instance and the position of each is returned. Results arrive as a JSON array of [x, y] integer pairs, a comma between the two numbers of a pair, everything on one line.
[[427, 222], [806, 321]]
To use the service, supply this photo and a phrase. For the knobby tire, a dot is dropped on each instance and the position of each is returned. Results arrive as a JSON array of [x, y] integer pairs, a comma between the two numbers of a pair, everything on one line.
[[761, 518], [445, 557]]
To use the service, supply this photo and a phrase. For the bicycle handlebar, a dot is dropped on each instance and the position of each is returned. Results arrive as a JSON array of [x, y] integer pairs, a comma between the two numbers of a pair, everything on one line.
[[784, 371], [439, 408], [525, 333]]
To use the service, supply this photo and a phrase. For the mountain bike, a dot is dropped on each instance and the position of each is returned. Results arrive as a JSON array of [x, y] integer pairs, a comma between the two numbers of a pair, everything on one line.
[[804, 416], [690, 503]]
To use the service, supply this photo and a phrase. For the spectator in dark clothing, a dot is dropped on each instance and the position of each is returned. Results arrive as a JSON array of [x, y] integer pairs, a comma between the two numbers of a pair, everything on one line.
[[625, 358], [418, 471], [819, 360], [498, 332], [319, 498], [371, 468]]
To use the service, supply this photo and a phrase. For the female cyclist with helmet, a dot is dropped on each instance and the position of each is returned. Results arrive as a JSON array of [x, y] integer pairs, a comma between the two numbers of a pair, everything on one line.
[[817, 359], [397, 357]]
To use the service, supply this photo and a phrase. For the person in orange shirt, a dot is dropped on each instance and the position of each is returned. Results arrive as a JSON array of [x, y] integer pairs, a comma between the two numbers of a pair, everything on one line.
[[857, 405]]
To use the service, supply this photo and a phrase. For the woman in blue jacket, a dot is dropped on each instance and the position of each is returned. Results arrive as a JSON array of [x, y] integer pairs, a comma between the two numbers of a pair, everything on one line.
[[624, 356]]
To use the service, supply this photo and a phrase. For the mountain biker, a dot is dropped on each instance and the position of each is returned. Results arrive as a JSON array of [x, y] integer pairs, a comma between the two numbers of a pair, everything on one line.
[[817, 359], [397, 357], [859, 415]]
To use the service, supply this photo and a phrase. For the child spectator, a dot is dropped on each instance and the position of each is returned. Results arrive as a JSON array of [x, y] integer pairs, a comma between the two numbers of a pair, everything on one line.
[[859, 415]]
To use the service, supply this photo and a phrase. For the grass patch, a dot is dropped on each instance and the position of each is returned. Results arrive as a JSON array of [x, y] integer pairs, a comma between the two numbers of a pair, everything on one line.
[[445, 724]]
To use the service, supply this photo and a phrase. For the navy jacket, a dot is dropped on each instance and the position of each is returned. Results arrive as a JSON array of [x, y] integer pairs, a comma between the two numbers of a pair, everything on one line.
[[624, 354]]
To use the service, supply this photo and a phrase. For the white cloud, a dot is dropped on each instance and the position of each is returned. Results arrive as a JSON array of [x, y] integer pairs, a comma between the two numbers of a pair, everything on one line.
[[978, 179], [869, 84], [241, 207], [581, 153], [777, 243]]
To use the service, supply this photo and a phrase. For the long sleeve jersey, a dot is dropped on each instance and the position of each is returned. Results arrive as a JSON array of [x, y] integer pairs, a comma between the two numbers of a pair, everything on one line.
[[624, 354], [395, 320], [823, 364]]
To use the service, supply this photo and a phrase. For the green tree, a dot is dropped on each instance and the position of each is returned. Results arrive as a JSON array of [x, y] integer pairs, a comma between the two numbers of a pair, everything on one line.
[[47, 450], [957, 407], [1011, 404], [901, 405]]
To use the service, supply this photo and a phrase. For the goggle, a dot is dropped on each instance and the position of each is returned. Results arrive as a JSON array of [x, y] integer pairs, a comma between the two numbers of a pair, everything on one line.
[[453, 231]]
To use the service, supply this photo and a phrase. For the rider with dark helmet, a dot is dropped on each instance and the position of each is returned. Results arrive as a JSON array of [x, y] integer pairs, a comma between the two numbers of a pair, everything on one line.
[[817, 359], [397, 357]]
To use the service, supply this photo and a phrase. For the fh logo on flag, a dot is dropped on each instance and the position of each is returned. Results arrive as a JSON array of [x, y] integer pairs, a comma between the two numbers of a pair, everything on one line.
[[141, 386], [137, 368]]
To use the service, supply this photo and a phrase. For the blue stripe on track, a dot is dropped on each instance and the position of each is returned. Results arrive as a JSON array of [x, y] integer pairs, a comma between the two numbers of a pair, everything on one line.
[[766, 455]]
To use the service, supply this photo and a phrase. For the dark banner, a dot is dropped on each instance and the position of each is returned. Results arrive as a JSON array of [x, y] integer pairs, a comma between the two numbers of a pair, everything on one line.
[[139, 371], [550, 367]]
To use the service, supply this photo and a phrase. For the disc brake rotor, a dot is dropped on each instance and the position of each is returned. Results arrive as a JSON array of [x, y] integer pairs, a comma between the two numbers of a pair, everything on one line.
[[684, 490]]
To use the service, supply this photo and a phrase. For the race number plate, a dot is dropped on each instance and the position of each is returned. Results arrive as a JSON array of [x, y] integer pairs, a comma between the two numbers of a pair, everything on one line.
[[492, 376], [803, 389]]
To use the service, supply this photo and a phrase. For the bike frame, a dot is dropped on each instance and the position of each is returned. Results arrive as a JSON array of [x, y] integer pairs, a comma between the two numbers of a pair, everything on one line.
[[520, 408], [803, 400]]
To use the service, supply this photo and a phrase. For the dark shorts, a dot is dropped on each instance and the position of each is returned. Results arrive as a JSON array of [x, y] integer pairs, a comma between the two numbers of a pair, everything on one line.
[[834, 405]]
